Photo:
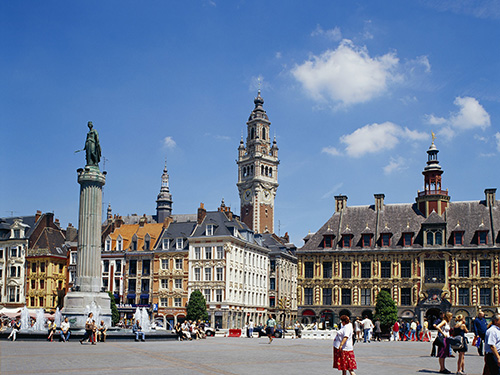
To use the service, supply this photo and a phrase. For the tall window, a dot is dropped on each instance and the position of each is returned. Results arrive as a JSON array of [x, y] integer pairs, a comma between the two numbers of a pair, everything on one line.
[[197, 274], [119, 245], [146, 267], [131, 285], [105, 266], [178, 283], [210, 230], [366, 297], [346, 270], [309, 270], [327, 296], [434, 237], [164, 302], [218, 295], [405, 296], [132, 267], [308, 296], [178, 264], [208, 252], [134, 244], [485, 297], [208, 274], [272, 283], [346, 296], [463, 297], [177, 302], [346, 240], [385, 269], [366, 271], [179, 243], [482, 238], [406, 268], [458, 238], [206, 292], [327, 270], [164, 283], [165, 243], [484, 268], [220, 252], [220, 274], [164, 264], [145, 285], [463, 268], [197, 253], [42, 267]]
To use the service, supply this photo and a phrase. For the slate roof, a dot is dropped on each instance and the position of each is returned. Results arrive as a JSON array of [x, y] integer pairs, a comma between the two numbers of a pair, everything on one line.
[[50, 242], [177, 230], [398, 219], [6, 222]]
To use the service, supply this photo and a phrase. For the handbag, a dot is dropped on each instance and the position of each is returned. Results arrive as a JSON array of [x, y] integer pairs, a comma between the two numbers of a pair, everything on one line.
[[439, 342], [88, 326], [456, 343]]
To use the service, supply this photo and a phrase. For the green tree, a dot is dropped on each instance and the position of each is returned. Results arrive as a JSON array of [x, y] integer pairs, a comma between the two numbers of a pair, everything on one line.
[[115, 315], [197, 307], [385, 310]]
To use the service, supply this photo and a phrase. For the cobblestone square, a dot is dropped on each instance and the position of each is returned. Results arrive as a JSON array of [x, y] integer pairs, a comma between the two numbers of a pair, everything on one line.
[[219, 355]]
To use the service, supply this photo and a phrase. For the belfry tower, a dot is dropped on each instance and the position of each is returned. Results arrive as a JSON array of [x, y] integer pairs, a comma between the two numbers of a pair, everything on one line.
[[258, 172], [164, 200], [433, 198]]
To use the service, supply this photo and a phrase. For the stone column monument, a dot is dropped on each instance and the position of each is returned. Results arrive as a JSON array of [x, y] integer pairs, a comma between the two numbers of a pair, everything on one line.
[[87, 295]]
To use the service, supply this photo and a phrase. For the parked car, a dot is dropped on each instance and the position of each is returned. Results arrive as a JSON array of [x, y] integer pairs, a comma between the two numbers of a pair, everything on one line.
[[278, 332], [209, 331]]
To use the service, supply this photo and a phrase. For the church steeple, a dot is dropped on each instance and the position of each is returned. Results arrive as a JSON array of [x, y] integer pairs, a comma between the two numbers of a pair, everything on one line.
[[433, 198], [164, 201], [258, 171]]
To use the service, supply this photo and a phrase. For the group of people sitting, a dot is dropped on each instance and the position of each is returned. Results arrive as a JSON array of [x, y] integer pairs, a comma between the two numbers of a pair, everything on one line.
[[189, 330]]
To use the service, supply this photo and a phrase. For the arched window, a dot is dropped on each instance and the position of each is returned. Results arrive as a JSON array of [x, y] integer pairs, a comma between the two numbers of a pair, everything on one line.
[[252, 133], [264, 133], [270, 172], [251, 170], [262, 170]]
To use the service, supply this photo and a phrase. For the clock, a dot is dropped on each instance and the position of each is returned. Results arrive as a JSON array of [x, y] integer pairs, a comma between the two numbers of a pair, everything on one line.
[[267, 195], [247, 195]]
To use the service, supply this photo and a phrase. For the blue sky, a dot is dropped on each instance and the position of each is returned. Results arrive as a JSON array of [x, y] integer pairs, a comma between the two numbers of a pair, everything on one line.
[[353, 90]]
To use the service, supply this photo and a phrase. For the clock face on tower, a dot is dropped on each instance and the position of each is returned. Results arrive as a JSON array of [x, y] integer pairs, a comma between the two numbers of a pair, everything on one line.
[[247, 195], [267, 195]]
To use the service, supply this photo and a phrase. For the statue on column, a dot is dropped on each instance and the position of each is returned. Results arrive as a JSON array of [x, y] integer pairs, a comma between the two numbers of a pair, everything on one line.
[[92, 147]]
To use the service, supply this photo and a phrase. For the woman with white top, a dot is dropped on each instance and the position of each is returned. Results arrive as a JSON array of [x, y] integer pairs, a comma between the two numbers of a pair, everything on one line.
[[343, 353], [444, 352]]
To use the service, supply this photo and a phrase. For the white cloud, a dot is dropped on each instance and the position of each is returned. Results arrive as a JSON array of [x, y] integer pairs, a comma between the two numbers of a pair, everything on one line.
[[475, 8], [395, 165], [497, 138], [378, 137], [169, 142], [333, 191], [278, 55], [347, 75], [480, 138], [331, 151], [332, 34], [471, 114]]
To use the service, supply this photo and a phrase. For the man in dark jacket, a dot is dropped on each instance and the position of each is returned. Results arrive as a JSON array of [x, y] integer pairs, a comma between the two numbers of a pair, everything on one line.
[[480, 327]]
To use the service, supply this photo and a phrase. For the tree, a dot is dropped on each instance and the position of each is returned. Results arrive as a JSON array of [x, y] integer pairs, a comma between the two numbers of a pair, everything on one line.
[[115, 315], [197, 307], [386, 310]]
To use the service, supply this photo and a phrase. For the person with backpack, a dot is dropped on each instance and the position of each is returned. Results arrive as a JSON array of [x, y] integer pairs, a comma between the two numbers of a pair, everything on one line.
[[459, 330]]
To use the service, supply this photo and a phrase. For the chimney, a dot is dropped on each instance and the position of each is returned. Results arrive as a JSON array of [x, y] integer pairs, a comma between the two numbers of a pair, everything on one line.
[[167, 221], [379, 201], [490, 197], [143, 220], [38, 215], [201, 213], [340, 202], [119, 221]]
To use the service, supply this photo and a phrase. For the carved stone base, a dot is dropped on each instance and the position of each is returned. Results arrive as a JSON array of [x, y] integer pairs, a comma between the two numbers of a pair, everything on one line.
[[78, 304]]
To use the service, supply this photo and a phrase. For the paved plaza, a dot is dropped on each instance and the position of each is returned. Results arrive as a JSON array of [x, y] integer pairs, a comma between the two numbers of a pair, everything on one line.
[[219, 355]]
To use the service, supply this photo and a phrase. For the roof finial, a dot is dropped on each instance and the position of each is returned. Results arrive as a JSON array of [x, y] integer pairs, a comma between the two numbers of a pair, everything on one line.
[[433, 137]]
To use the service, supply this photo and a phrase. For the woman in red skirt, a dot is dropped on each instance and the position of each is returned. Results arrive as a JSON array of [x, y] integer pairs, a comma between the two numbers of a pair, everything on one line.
[[343, 353]]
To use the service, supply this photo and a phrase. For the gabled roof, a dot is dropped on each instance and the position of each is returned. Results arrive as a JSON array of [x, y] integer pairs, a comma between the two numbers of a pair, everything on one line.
[[177, 230]]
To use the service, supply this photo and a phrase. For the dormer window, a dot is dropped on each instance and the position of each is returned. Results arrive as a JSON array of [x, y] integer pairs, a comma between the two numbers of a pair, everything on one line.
[[458, 238], [482, 237], [386, 239], [147, 242], [119, 243], [346, 240], [165, 243], [210, 230], [134, 243], [179, 243], [434, 237], [407, 239], [328, 241], [107, 246], [367, 240]]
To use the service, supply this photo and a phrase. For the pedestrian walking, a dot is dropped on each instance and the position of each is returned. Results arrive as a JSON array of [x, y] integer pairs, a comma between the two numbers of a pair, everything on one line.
[[343, 351], [377, 330], [270, 326], [419, 330], [89, 328], [395, 331], [492, 347], [444, 352], [297, 329], [367, 327], [250, 328], [413, 331], [460, 329], [426, 333], [357, 328], [480, 326]]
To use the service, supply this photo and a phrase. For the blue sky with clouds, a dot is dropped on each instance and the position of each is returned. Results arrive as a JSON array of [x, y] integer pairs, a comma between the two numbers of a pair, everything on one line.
[[353, 90]]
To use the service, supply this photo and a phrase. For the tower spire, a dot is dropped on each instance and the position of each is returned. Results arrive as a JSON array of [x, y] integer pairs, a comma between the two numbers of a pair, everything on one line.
[[164, 200]]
